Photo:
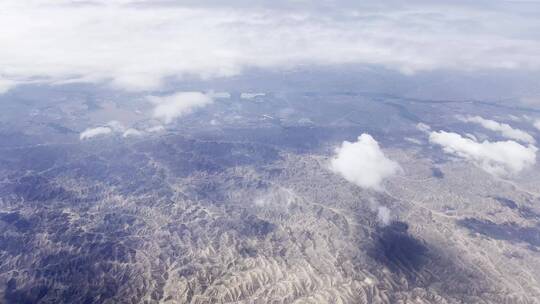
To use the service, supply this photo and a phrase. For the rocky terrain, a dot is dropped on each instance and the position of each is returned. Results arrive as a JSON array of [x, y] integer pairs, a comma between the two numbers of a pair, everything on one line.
[[203, 216]]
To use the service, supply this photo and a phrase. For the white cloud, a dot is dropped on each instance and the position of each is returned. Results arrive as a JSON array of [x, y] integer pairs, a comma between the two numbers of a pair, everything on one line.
[[277, 196], [217, 95], [413, 140], [423, 127], [514, 117], [137, 44], [537, 124], [251, 95], [168, 108], [116, 126], [132, 132], [384, 216], [93, 132], [502, 128], [498, 158], [111, 127], [363, 163], [156, 129]]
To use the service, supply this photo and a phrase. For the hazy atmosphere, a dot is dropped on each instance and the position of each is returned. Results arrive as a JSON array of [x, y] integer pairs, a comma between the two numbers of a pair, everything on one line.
[[269, 151]]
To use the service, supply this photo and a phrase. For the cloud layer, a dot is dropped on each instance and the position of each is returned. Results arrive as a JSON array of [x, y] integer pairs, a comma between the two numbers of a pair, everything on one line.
[[168, 108], [498, 158], [502, 128], [135, 45], [363, 163]]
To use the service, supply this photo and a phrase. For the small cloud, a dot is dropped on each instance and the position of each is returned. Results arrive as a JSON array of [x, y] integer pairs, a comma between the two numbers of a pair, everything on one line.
[[413, 140], [132, 132], [363, 163], [251, 95], [224, 95], [497, 158], [305, 121], [502, 128], [116, 126], [168, 108], [384, 216], [471, 136], [155, 129], [514, 117], [6, 85], [277, 196], [112, 126], [423, 127], [537, 124], [93, 132]]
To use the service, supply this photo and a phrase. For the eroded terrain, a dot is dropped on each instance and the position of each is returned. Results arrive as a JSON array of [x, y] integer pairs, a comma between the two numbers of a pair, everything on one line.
[[251, 213]]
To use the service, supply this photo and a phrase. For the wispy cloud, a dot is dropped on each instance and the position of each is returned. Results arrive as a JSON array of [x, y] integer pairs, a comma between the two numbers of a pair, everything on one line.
[[423, 127], [132, 133], [502, 128], [110, 128], [93, 132], [384, 215], [155, 129]]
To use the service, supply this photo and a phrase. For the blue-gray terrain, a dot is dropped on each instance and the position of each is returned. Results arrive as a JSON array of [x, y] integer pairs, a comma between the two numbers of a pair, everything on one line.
[[240, 201]]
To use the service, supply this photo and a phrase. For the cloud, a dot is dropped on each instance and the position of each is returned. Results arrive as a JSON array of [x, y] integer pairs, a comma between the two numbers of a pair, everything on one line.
[[168, 108], [278, 197], [251, 95], [155, 129], [111, 127], [537, 124], [116, 126], [217, 95], [413, 140], [384, 216], [498, 158], [135, 45], [131, 132], [363, 163], [93, 132], [423, 127], [502, 128]]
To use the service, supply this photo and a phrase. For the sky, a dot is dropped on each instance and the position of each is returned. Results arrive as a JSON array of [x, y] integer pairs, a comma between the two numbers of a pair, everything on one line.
[[138, 45]]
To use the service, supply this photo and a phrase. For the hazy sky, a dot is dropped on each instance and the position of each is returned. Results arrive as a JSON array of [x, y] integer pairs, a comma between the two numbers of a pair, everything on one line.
[[135, 45]]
